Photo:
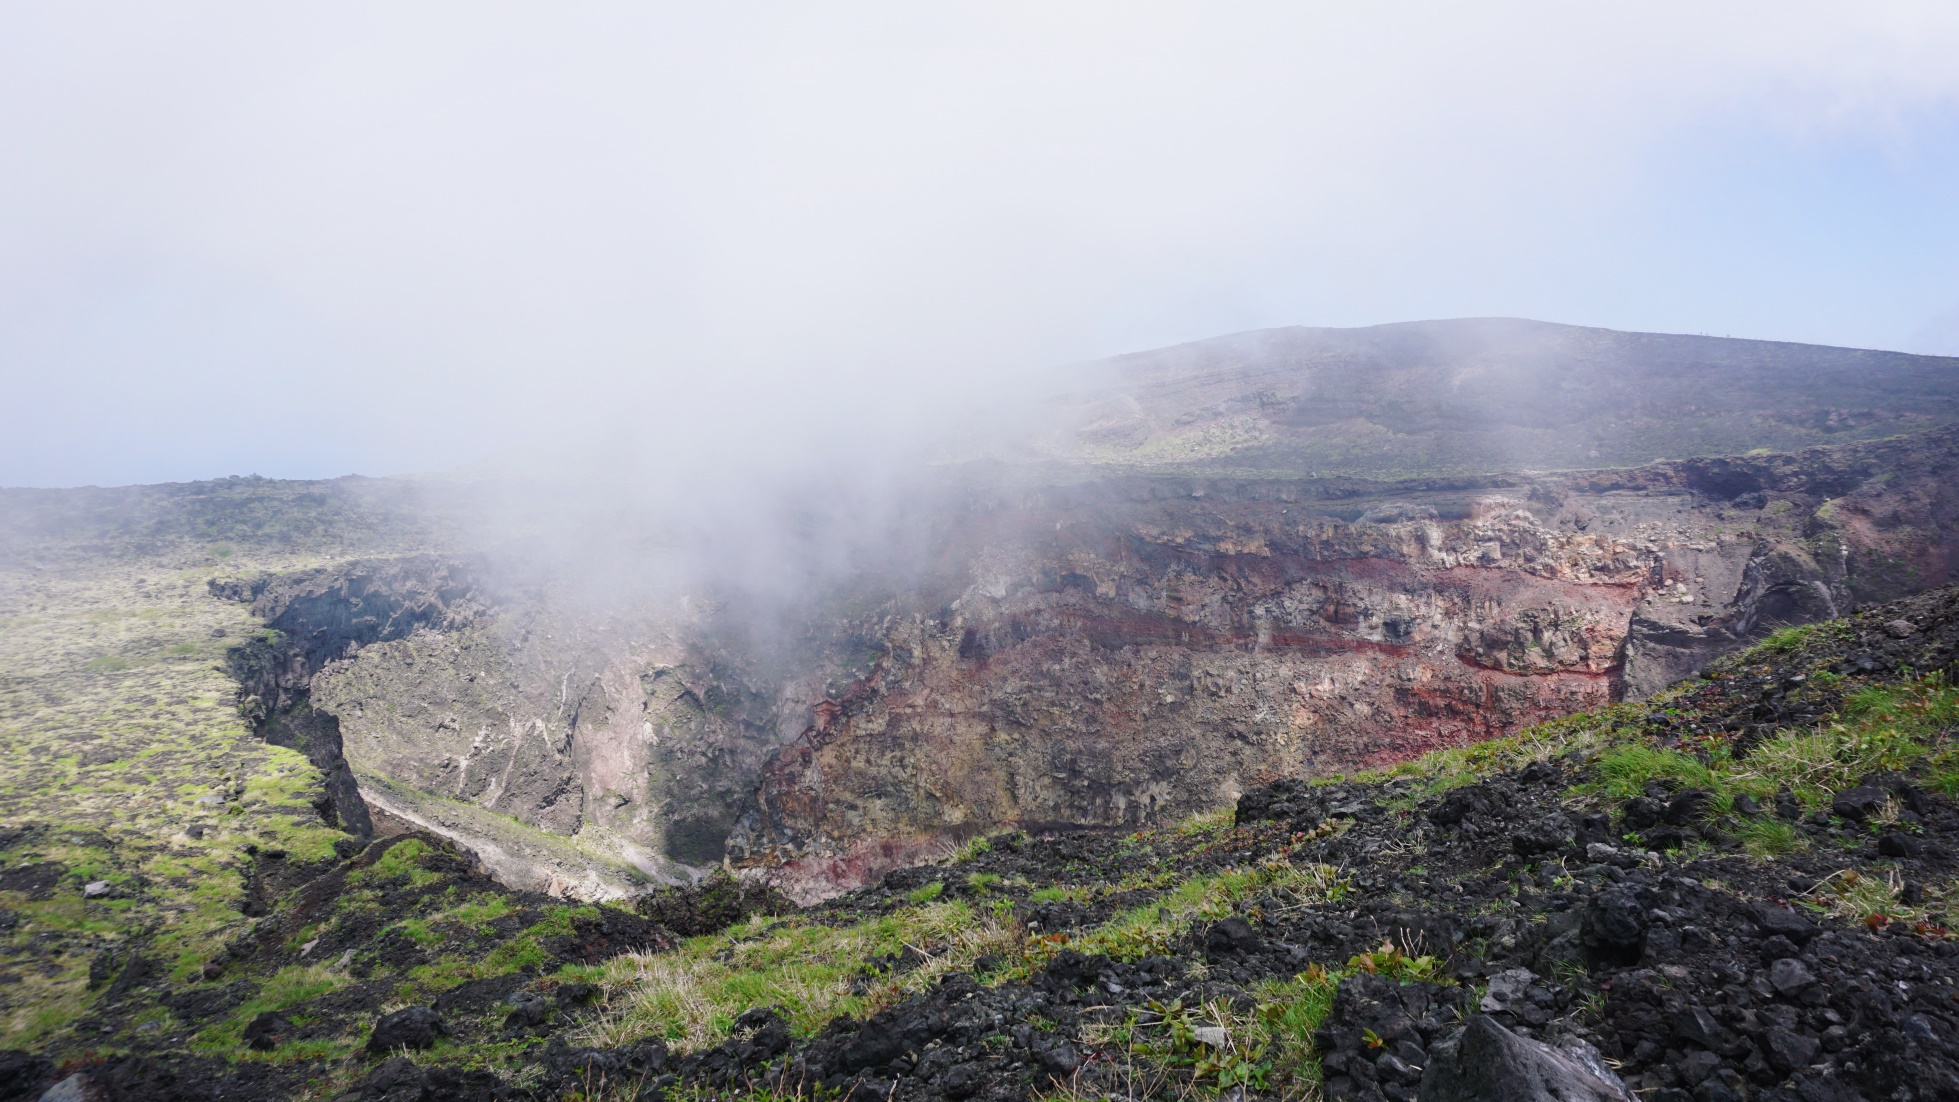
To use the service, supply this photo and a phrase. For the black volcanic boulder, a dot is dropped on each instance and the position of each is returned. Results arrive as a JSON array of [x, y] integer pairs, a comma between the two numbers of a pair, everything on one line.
[[714, 904], [23, 1074], [1232, 935], [1284, 799], [1615, 928], [1898, 844], [1858, 803], [416, 1027], [1071, 969], [267, 1031], [1488, 1063], [1549, 834], [1058, 1058], [1642, 812], [527, 1011], [399, 1080], [1689, 806], [1458, 805], [1781, 921]]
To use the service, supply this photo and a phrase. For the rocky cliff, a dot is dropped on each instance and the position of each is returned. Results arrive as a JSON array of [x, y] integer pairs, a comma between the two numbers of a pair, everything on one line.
[[1128, 653]]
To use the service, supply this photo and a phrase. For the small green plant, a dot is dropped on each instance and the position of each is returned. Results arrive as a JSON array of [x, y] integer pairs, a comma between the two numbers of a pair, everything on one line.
[[1784, 640], [1216, 1044], [1391, 961], [927, 893], [1876, 901], [1208, 823]]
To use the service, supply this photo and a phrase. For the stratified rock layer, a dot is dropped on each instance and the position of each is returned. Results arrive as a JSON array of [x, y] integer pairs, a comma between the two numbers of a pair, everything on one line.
[[1150, 652]]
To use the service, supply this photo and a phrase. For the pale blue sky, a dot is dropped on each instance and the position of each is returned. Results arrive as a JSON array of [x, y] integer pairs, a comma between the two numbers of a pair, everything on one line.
[[311, 241]]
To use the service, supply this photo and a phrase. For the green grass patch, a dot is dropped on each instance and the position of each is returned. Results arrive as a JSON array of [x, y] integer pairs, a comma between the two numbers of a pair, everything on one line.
[[404, 858], [288, 988], [1058, 893], [479, 913], [1439, 771], [1880, 728], [1767, 836], [692, 994], [1151, 929], [1625, 771]]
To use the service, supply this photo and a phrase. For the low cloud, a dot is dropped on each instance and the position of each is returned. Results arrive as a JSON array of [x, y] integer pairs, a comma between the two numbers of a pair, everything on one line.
[[301, 242]]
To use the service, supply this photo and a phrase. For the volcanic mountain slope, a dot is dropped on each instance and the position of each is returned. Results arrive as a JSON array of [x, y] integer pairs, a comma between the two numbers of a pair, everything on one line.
[[1474, 395], [1742, 888]]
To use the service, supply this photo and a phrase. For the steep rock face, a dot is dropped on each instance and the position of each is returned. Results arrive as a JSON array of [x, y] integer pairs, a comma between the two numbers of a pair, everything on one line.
[[1114, 661], [1149, 660], [637, 747], [322, 615]]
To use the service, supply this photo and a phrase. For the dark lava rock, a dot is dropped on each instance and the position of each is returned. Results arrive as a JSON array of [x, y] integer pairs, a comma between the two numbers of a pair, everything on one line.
[[1790, 976], [1060, 1059], [712, 905], [584, 1067], [1785, 922], [1642, 812], [1615, 927], [961, 1081], [267, 1031], [1697, 1025], [416, 1027], [1897, 844], [1074, 969], [1462, 803], [477, 996], [1789, 1051], [1858, 803], [576, 994], [396, 1080], [23, 1074], [1280, 801], [399, 1080], [1549, 834], [527, 1011], [1488, 1063], [1689, 806], [1232, 935], [610, 933], [36, 881]]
